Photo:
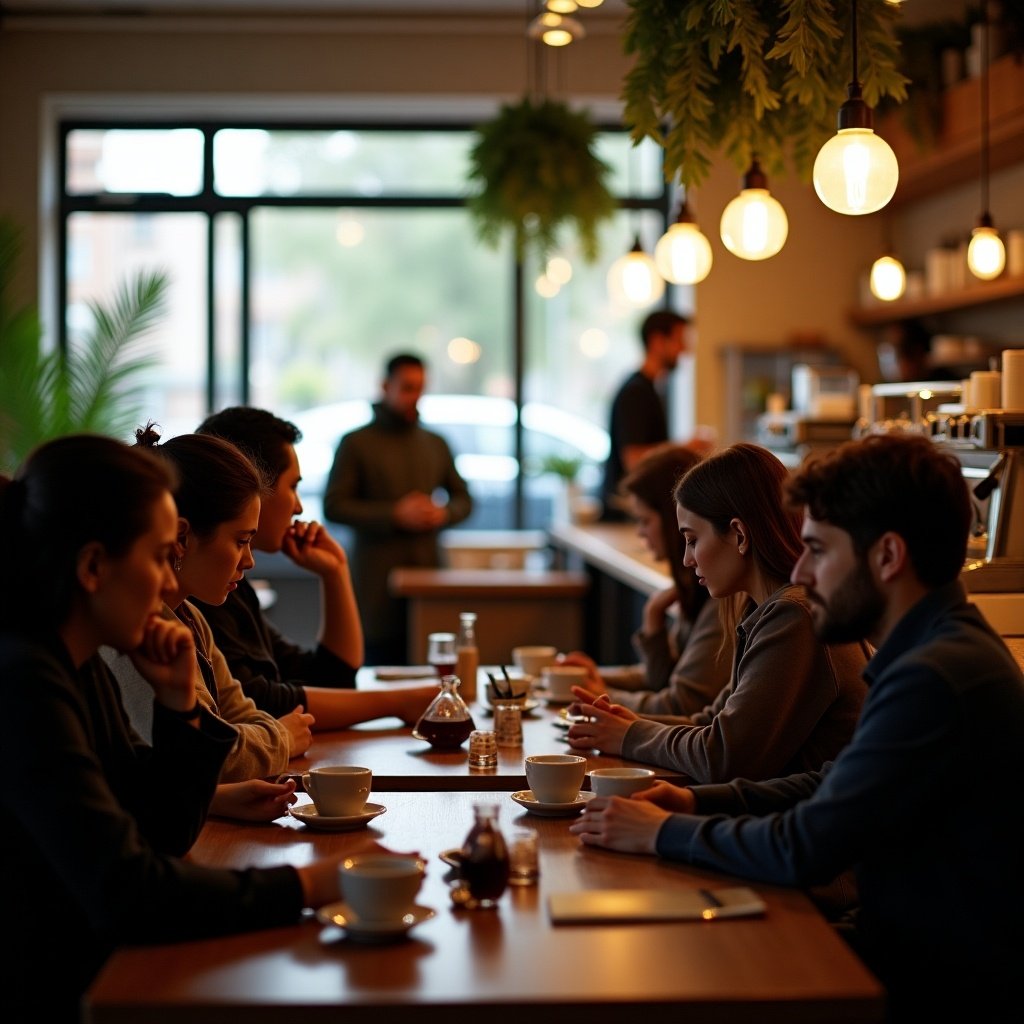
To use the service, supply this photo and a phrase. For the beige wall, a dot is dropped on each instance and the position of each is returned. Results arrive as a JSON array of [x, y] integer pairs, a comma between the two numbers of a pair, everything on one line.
[[348, 67]]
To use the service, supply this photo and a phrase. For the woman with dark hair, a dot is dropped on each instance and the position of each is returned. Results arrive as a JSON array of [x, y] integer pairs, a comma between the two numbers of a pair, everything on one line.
[[92, 846], [683, 672], [792, 701], [218, 500]]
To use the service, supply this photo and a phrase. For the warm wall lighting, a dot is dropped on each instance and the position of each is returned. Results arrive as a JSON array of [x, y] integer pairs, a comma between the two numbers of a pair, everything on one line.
[[754, 225], [856, 171], [633, 279], [888, 279], [683, 253]]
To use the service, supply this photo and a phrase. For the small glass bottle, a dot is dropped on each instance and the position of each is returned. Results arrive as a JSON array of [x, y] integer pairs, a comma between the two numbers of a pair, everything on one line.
[[468, 656], [447, 722], [484, 864]]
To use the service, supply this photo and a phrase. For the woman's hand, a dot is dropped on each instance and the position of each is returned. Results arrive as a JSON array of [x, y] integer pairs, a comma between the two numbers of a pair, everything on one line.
[[593, 682], [253, 800], [656, 610], [604, 725], [677, 799], [630, 825], [166, 659], [300, 731]]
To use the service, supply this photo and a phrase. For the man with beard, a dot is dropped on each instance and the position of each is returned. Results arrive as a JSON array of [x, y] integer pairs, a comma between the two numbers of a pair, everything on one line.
[[924, 804]]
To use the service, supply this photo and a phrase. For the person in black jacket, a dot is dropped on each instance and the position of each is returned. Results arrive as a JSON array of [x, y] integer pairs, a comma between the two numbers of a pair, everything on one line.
[[95, 831], [277, 674]]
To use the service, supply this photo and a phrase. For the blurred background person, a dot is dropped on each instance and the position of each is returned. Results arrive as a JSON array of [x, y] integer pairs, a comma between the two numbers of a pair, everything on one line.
[[385, 484]]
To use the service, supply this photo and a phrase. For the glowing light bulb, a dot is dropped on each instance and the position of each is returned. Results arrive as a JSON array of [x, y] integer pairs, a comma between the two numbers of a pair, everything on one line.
[[683, 254], [856, 172], [633, 279], [888, 278], [754, 225], [986, 254]]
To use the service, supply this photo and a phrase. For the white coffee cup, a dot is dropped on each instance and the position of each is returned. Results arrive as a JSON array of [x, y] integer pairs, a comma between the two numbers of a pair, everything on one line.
[[381, 886], [532, 660], [560, 679], [339, 790], [555, 778], [620, 781]]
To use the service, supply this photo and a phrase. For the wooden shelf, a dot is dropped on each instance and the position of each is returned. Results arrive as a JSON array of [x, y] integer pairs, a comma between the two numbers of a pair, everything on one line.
[[956, 155], [980, 294]]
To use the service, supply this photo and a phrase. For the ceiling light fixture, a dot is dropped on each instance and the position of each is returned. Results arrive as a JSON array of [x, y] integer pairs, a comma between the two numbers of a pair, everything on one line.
[[986, 254], [754, 225], [555, 29], [633, 279], [856, 171], [683, 253], [562, 6]]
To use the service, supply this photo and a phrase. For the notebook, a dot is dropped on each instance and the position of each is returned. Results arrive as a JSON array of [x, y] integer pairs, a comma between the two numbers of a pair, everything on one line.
[[592, 905]]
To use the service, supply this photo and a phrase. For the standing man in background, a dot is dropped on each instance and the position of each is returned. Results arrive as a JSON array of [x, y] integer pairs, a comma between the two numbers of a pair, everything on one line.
[[383, 485], [639, 421]]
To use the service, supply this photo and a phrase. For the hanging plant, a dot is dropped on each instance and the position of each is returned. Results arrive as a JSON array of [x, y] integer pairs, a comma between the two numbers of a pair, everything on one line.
[[746, 76], [537, 171]]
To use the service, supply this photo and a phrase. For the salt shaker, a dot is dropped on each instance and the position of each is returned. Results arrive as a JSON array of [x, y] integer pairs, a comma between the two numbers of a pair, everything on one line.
[[483, 751]]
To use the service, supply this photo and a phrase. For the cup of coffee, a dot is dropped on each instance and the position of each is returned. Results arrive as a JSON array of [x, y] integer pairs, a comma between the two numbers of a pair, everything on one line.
[[533, 660], [555, 778], [381, 886], [620, 781], [560, 679], [339, 790]]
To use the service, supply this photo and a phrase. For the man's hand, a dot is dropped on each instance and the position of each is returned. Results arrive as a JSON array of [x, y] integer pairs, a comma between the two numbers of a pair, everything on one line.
[[417, 512]]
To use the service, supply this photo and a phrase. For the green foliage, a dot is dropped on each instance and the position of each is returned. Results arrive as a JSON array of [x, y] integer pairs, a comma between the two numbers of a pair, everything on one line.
[[537, 170], [93, 387], [565, 466], [751, 76]]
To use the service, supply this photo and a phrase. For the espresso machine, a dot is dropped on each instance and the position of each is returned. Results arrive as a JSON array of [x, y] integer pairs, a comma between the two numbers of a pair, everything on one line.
[[989, 445]]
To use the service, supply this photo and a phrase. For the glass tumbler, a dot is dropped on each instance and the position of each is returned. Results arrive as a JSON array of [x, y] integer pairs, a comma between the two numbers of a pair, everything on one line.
[[523, 857]]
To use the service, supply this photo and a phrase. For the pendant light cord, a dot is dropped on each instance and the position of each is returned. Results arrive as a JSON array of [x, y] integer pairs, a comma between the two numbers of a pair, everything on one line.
[[984, 106], [853, 36]]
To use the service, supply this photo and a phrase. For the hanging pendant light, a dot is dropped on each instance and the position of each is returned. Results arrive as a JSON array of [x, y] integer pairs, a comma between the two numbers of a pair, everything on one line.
[[633, 279], [856, 171], [754, 224], [888, 279], [986, 254], [683, 253], [555, 29]]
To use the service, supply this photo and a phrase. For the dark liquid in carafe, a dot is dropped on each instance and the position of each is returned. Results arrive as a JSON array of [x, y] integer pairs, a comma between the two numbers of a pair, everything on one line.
[[484, 864], [445, 732]]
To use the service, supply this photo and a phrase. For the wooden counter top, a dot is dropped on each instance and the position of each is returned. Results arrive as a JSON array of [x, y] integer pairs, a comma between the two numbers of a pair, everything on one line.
[[615, 549]]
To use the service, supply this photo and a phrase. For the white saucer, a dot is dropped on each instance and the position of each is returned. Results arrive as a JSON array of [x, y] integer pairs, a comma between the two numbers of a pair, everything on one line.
[[526, 799], [339, 915], [527, 706], [307, 814], [452, 857]]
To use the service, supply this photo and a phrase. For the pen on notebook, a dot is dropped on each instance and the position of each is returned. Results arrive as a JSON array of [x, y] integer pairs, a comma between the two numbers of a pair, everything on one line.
[[710, 898]]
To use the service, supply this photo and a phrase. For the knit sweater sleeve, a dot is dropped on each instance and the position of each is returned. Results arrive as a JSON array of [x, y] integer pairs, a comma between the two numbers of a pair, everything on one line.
[[783, 683], [261, 748]]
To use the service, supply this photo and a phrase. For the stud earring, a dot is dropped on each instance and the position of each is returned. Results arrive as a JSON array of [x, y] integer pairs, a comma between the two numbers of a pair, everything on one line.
[[176, 565]]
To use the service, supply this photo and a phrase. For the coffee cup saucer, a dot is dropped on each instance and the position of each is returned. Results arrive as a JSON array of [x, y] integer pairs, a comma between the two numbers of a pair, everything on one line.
[[341, 915], [308, 815], [526, 799]]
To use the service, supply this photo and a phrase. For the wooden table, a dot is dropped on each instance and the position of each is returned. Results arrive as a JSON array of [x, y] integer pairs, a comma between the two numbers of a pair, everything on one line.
[[504, 966], [401, 762]]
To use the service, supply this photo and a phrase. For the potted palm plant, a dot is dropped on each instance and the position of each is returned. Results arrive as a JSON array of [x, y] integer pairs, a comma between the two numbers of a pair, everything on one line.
[[94, 386]]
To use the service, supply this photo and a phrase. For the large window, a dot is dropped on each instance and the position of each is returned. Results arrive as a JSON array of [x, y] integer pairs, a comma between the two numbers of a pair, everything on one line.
[[300, 257]]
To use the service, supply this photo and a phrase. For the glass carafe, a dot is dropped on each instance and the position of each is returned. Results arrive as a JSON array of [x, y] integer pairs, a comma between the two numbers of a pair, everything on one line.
[[447, 722], [484, 862]]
